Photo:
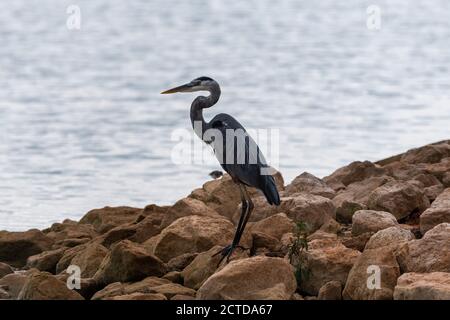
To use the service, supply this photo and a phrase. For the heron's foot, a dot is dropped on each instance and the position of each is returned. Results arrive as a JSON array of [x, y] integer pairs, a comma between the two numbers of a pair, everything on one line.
[[227, 252]]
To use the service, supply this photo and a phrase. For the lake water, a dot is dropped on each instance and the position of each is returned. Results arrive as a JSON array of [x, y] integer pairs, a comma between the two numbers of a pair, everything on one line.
[[83, 124]]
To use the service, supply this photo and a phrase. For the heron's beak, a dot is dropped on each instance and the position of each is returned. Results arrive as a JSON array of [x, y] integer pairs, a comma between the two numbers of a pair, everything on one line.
[[182, 88]]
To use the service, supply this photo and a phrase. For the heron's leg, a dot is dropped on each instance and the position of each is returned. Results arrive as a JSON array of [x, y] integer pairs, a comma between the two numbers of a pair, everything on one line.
[[228, 250], [249, 212]]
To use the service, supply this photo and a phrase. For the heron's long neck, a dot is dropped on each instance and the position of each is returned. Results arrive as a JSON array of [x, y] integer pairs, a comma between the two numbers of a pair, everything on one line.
[[200, 103]]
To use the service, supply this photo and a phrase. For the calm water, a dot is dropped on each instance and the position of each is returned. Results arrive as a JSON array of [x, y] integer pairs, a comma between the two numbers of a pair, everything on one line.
[[83, 124]]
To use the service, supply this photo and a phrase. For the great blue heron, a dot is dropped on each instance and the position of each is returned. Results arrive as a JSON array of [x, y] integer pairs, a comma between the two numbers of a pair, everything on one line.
[[242, 161]]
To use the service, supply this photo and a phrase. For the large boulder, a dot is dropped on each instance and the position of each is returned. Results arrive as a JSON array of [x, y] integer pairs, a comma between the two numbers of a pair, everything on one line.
[[439, 212], [189, 235], [90, 259], [371, 221], [355, 196], [324, 261], [432, 153], [149, 285], [67, 257], [146, 226], [139, 296], [399, 198], [423, 286], [45, 286], [330, 291], [46, 261], [440, 170], [311, 209], [309, 183], [357, 286], [386, 237], [355, 171], [128, 261], [13, 283], [429, 254], [256, 278], [70, 233], [108, 218], [188, 207], [201, 268], [275, 226], [16, 247], [379, 258], [5, 269]]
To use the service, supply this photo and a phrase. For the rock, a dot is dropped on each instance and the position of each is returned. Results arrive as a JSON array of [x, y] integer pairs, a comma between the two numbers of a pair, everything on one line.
[[182, 297], [432, 153], [429, 254], [262, 240], [325, 260], [256, 278], [5, 269], [222, 195], [439, 169], [201, 268], [46, 261], [16, 247], [138, 231], [331, 226], [355, 171], [275, 226], [4, 295], [404, 171], [446, 179], [313, 210], [67, 257], [433, 192], [174, 276], [189, 235], [371, 221], [173, 289], [308, 183], [129, 261], [330, 291], [44, 286], [139, 296], [423, 286], [362, 279], [70, 232], [108, 218], [111, 290], [439, 212], [90, 259], [399, 198], [357, 242], [386, 237], [150, 285], [355, 196], [12, 283], [188, 207], [181, 262]]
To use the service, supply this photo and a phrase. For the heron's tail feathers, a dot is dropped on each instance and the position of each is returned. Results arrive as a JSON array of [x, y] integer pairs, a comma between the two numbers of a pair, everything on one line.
[[269, 189]]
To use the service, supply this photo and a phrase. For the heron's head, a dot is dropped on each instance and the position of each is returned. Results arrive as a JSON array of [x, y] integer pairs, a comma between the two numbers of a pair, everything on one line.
[[198, 84]]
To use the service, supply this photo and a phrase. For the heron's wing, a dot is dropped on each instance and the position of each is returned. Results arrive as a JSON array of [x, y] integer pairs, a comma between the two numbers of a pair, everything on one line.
[[242, 159]]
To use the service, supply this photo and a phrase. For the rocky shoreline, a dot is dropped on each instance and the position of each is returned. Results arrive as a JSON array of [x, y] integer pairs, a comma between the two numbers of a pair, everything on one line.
[[368, 231]]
